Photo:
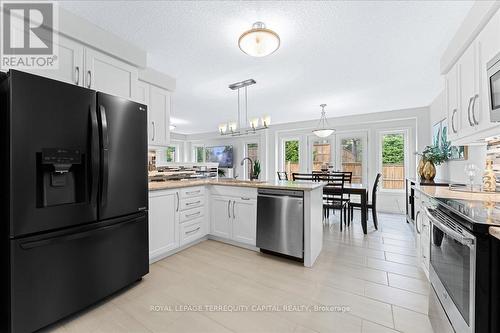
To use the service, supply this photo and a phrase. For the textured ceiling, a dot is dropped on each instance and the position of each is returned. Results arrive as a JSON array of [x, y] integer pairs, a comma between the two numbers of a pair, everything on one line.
[[357, 56]]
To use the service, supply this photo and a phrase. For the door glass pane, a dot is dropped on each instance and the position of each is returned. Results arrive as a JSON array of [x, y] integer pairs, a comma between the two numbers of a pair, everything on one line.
[[352, 158], [393, 161], [321, 155], [291, 162], [198, 154], [253, 153]]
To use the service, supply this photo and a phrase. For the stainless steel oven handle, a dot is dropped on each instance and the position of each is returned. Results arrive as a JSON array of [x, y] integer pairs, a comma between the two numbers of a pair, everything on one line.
[[467, 241]]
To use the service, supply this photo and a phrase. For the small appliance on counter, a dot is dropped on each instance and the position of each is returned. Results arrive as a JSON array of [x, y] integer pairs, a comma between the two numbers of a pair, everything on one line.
[[74, 198]]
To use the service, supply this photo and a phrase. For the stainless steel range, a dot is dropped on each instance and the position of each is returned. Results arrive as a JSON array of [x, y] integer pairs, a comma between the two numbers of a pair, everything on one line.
[[460, 254]]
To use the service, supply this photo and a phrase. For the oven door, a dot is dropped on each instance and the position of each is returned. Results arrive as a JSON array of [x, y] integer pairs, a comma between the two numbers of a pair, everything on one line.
[[452, 269], [494, 88]]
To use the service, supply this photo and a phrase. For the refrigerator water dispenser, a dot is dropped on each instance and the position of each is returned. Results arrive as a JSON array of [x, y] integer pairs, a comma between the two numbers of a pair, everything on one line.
[[61, 176]]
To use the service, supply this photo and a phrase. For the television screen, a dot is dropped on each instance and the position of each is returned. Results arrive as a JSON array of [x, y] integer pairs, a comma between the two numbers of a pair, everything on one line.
[[221, 154]]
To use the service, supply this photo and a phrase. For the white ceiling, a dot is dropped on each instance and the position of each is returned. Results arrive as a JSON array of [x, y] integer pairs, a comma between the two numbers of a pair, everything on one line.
[[358, 56]]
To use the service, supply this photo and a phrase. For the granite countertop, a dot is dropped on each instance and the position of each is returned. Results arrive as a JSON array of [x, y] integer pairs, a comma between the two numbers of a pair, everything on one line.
[[284, 184], [446, 193]]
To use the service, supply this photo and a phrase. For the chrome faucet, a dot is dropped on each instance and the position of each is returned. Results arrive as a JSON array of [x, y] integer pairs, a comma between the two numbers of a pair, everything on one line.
[[251, 166]]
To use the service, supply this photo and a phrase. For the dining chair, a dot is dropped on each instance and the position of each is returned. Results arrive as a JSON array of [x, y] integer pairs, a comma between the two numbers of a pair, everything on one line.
[[282, 175], [373, 204], [333, 196], [304, 176]]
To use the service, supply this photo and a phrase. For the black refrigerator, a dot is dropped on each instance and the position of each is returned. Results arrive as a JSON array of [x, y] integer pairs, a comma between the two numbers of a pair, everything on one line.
[[74, 198]]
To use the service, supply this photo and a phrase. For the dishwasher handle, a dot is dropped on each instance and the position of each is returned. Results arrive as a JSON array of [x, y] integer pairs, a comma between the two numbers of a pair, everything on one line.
[[282, 193]]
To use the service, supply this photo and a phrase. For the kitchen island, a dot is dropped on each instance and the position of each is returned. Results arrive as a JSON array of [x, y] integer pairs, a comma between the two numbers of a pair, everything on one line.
[[224, 210]]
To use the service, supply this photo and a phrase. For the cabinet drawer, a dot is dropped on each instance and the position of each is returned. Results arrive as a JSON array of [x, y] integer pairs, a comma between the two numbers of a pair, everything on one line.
[[193, 213], [190, 203], [191, 231], [190, 192]]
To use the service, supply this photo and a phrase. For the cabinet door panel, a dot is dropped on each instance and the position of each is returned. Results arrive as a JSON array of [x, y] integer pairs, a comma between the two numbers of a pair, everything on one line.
[[159, 115], [109, 75], [163, 224], [70, 69], [220, 217], [452, 103], [467, 79], [245, 221]]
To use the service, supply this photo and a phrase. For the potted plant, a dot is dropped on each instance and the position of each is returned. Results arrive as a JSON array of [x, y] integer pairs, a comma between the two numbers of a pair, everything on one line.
[[256, 169], [432, 156]]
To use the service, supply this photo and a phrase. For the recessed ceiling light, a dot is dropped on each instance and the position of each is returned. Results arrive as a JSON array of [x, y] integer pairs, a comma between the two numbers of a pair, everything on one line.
[[259, 41]]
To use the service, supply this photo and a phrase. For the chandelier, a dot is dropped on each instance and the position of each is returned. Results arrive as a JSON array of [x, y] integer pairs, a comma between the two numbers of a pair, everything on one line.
[[323, 129], [256, 123]]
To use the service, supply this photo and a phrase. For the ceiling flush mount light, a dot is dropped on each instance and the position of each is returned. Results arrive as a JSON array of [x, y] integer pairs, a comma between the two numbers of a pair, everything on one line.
[[259, 41], [235, 128], [323, 130]]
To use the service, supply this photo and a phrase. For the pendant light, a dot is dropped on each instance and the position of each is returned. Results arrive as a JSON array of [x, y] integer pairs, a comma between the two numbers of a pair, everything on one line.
[[323, 130], [259, 41]]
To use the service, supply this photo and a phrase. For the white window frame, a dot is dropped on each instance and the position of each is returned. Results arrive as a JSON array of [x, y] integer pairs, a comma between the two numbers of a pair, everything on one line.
[[281, 162], [245, 154], [193, 152], [406, 162], [364, 136]]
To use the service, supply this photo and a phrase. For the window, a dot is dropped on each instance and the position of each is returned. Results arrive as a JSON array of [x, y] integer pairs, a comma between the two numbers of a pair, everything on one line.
[[321, 155], [393, 160], [171, 154], [291, 156], [252, 151], [352, 158], [198, 154]]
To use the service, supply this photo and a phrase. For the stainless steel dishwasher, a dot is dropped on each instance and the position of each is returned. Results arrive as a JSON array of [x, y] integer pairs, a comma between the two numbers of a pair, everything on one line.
[[280, 222]]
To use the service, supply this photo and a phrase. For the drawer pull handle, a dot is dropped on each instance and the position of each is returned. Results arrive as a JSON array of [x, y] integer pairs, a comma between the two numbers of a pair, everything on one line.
[[192, 231], [193, 203], [193, 192], [194, 214], [242, 198]]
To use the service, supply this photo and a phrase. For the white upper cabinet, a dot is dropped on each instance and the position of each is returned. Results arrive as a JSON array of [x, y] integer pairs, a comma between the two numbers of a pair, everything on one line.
[[158, 116], [71, 63], [109, 75], [452, 103], [467, 96], [142, 92], [467, 73]]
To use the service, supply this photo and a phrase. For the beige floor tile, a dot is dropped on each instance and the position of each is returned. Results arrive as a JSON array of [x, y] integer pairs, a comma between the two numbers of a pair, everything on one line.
[[392, 267], [411, 322], [195, 323], [401, 259], [410, 284], [369, 327], [400, 297]]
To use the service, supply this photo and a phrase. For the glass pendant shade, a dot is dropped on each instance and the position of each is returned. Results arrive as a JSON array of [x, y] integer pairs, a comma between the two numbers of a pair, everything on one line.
[[259, 41], [323, 129]]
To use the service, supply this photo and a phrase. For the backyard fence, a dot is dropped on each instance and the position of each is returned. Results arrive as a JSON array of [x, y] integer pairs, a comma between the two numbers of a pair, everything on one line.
[[393, 176]]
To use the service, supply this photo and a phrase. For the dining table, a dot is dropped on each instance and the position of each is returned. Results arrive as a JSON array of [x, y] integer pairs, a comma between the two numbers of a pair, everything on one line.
[[362, 192]]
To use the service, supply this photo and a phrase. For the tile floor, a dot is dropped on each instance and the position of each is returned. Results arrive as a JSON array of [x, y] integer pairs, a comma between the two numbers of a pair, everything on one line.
[[375, 278]]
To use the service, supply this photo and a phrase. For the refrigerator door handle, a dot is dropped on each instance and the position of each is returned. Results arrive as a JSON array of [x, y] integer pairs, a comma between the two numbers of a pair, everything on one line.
[[74, 236], [94, 155], [104, 155]]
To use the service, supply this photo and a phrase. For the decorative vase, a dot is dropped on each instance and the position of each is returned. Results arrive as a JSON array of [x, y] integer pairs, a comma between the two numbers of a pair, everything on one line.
[[489, 178], [429, 171], [420, 168]]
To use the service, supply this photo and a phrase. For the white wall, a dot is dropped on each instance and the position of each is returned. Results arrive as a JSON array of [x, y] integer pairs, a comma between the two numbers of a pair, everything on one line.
[[454, 170], [415, 121]]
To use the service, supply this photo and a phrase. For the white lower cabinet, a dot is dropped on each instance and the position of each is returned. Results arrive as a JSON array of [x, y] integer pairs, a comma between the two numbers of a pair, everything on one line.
[[423, 229], [234, 218], [163, 223]]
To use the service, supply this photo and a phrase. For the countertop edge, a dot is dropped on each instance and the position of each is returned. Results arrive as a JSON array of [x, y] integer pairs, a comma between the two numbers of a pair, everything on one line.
[[284, 186]]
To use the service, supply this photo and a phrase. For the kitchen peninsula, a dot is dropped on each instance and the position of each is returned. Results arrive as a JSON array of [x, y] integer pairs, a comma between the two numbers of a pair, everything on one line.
[[184, 213]]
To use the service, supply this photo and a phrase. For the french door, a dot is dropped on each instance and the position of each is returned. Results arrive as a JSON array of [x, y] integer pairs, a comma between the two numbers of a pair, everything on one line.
[[352, 155]]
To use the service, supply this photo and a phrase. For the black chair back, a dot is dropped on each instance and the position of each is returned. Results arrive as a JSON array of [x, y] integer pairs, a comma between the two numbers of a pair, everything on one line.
[[375, 189], [282, 175], [334, 188], [304, 176]]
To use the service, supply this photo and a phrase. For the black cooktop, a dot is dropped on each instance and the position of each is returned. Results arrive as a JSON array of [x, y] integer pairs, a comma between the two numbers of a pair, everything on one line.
[[475, 215]]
